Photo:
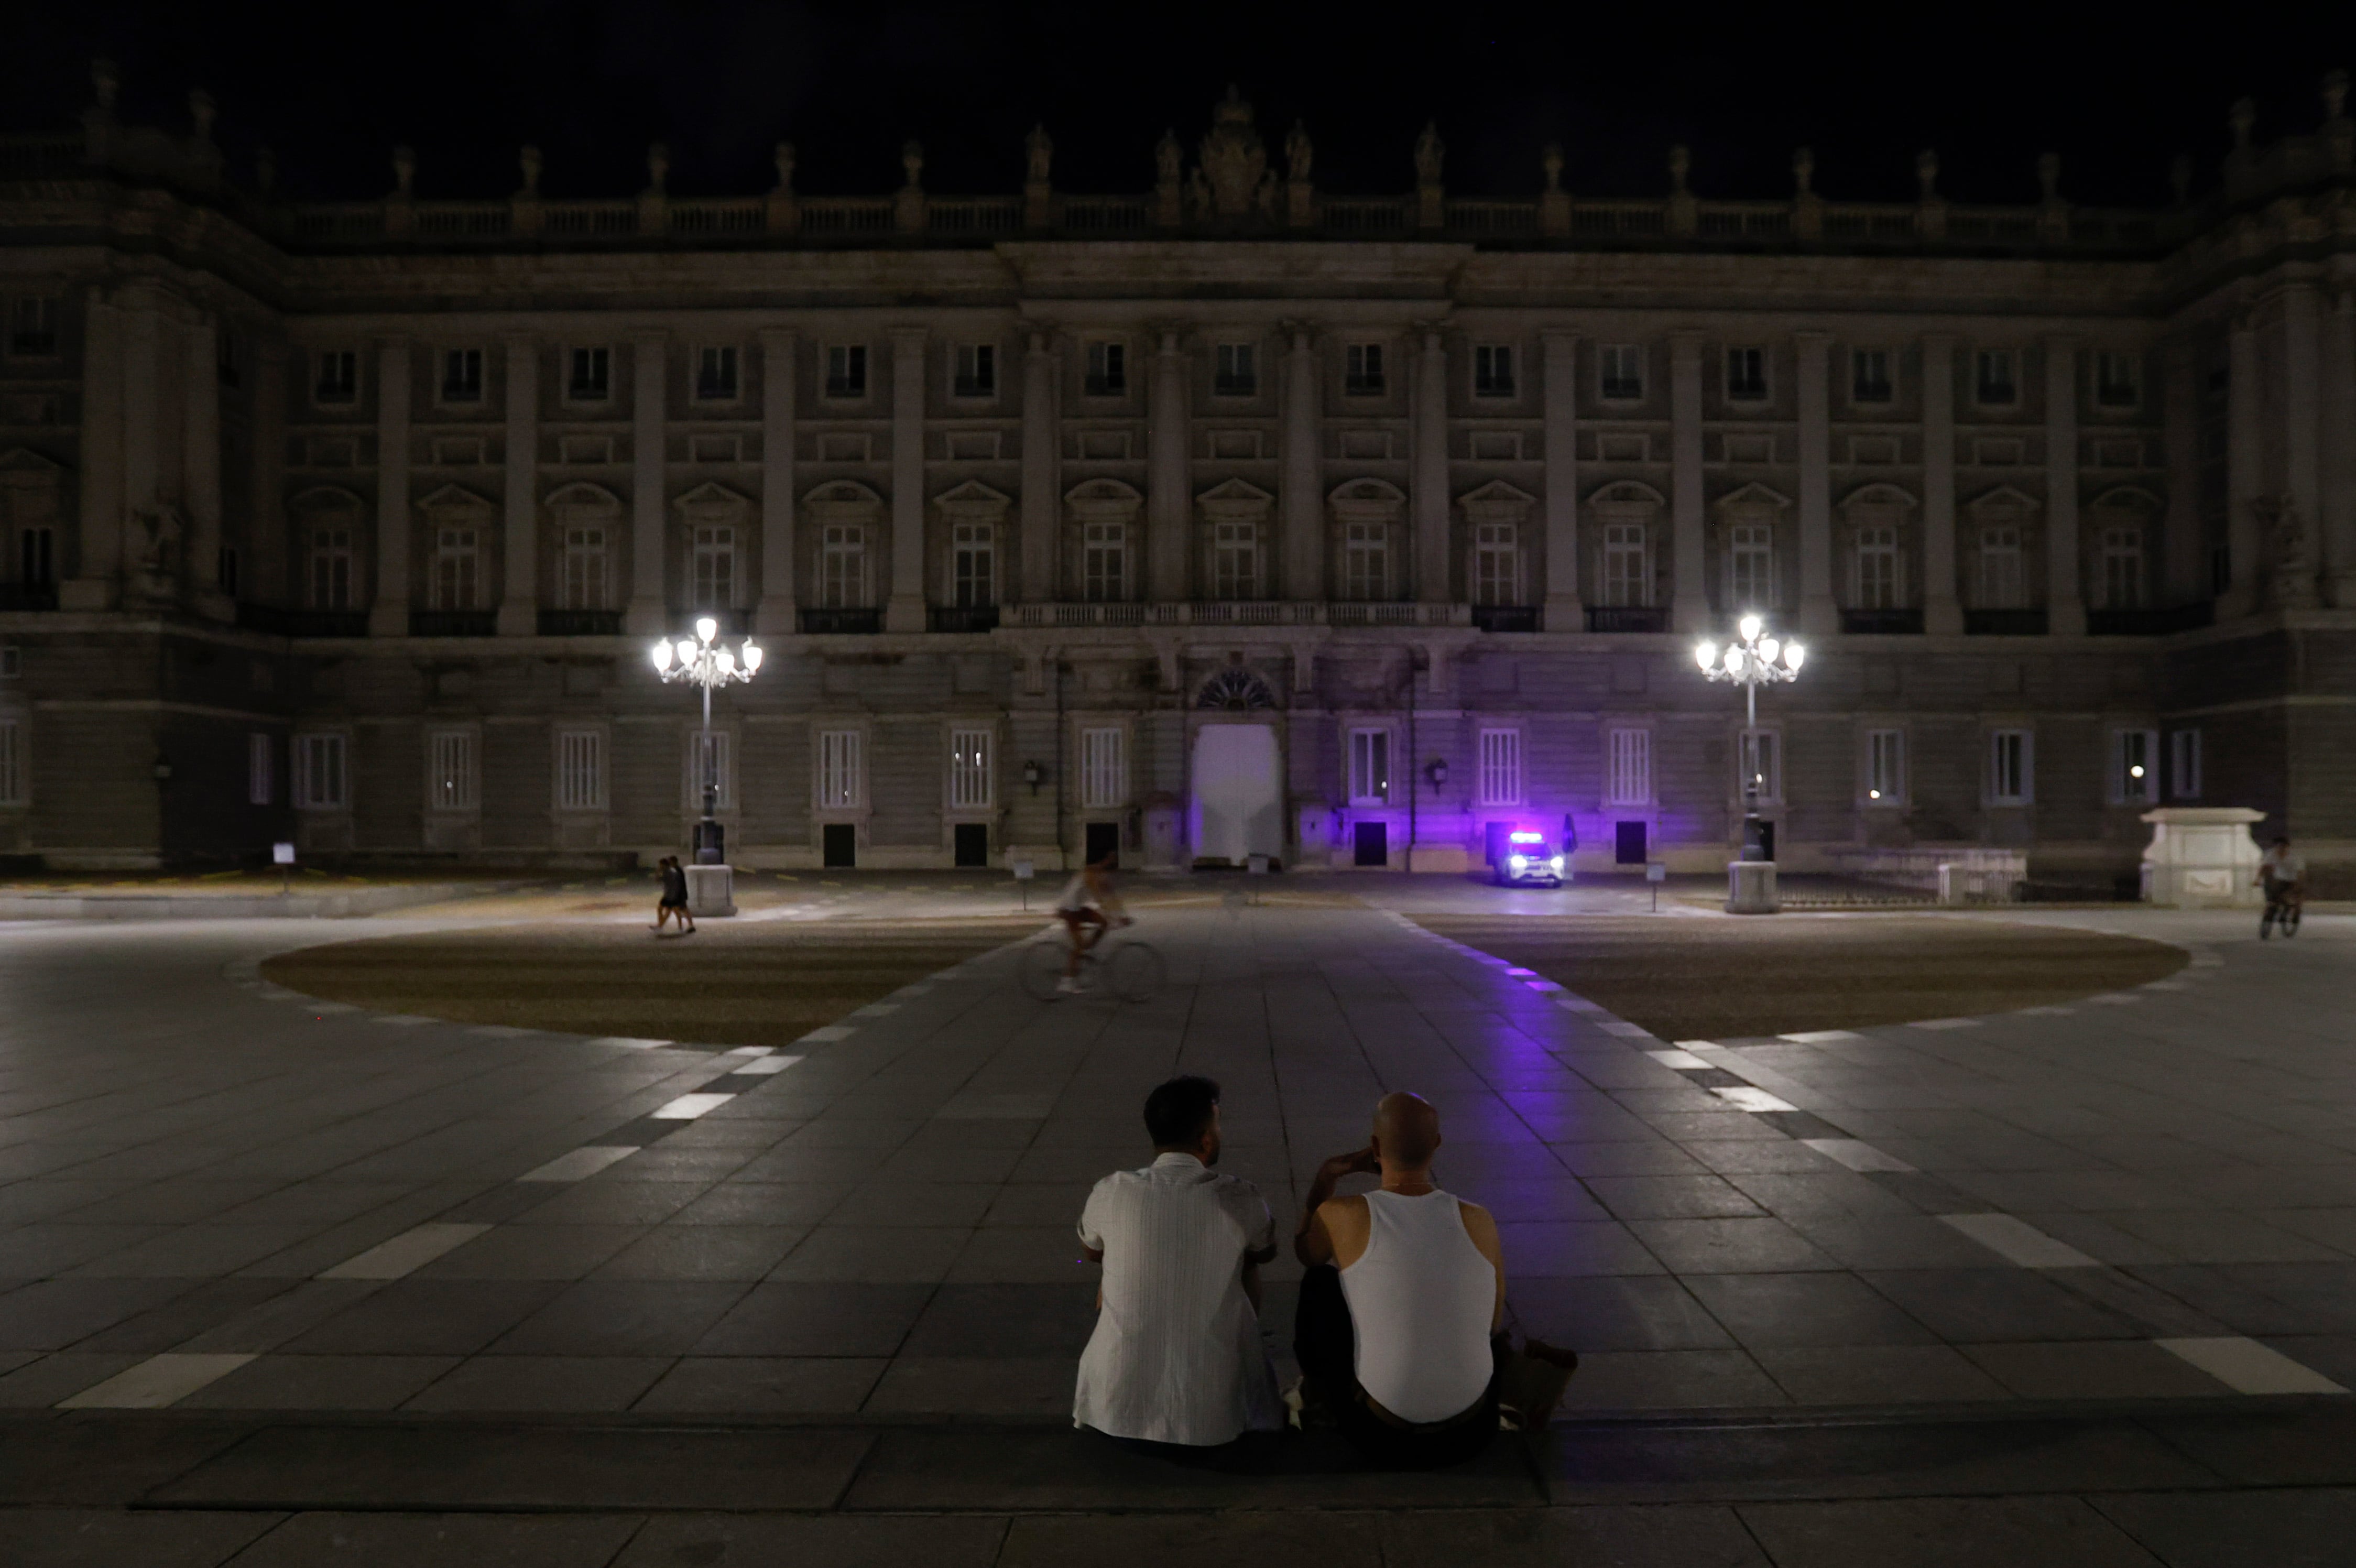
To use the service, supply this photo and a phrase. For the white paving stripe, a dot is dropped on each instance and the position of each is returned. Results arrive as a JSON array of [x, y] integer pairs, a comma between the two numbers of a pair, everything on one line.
[[629, 1042], [156, 1381], [1683, 1061], [831, 1032], [1576, 1004], [579, 1164], [1946, 1023], [688, 1107], [768, 1064], [1821, 1037], [2018, 1241], [1624, 1029], [409, 1251], [1856, 1155], [1754, 1099], [407, 1020], [2247, 1367], [2050, 1012]]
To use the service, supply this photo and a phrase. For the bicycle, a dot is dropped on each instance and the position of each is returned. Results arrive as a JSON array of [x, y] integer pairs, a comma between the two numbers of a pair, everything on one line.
[[1128, 967], [2281, 914]]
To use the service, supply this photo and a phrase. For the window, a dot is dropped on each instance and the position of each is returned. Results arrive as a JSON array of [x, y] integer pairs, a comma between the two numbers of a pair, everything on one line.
[[580, 770], [457, 582], [331, 569], [973, 565], [340, 377], [1627, 776], [708, 768], [2122, 579], [1999, 378], [1104, 562], [1746, 374], [977, 370], [12, 661], [1501, 768], [1623, 371], [1370, 767], [1367, 561], [1108, 369], [592, 379], [36, 556], [2118, 380], [839, 778], [1496, 565], [713, 568], [1235, 370], [969, 771], [462, 375], [846, 369], [2135, 767], [1750, 566], [2011, 768], [715, 373], [319, 783], [843, 567], [225, 565], [1869, 376], [2001, 585], [33, 325], [1885, 767], [1104, 768], [1492, 369], [450, 783], [1362, 370], [582, 585], [2184, 764], [1234, 561], [1880, 584], [1760, 766], [12, 762], [228, 358], [1626, 583]]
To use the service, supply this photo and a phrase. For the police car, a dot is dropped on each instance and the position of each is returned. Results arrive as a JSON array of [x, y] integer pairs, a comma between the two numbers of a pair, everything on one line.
[[1529, 861]]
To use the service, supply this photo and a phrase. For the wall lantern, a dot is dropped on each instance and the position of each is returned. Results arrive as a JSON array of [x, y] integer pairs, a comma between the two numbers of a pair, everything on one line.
[[1032, 775], [1437, 771]]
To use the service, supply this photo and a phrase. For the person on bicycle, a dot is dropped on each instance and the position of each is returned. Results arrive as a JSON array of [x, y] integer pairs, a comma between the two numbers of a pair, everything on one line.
[[2281, 873], [1088, 907]]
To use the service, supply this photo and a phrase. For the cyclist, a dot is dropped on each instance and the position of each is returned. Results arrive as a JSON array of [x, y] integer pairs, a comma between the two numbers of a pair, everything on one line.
[[2282, 871], [1088, 907]]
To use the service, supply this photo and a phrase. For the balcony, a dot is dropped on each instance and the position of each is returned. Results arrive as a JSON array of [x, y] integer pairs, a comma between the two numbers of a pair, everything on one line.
[[2151, 623], [963, 617], [1627, 617], [29, 596], [580, 623], [842, 622], [1882, 623], [1506, 618], [2005, 623], [454, 623]]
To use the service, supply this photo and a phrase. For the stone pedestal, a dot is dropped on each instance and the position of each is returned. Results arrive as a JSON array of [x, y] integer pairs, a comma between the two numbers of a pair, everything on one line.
[[711, 890], [2202, 857], [1751, 887]]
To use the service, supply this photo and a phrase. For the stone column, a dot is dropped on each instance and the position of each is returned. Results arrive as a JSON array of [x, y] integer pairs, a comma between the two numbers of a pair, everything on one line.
[[2244, 479], [1302, 504], [1560, 389], [1041, 468], [776, 614], [1689, 606], [2337, 526], [2302, 376], [390, 614], [1819, 611], [1943, 612], [2183, 574], [520, 538], [98, 573], [143, 370], [904, 610], [200, 472], [272, 581], [1429, 472], [1168, 485], [2065, 601], [649, 610]]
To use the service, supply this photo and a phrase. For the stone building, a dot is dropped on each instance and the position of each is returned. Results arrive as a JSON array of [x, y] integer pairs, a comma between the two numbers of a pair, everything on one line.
[[1230, 517]]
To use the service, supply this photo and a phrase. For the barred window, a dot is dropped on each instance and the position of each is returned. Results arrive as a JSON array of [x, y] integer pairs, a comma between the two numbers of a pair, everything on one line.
[[320, 784], [1501, 768], [580, 770], [2135, 767], [2011, 768], [1104, 768], [1885, 767], [1629, 776], [1370, 767], [450, 784], [260, 775], [838, 780], [12, 762], [969, 770], [1761, 766]]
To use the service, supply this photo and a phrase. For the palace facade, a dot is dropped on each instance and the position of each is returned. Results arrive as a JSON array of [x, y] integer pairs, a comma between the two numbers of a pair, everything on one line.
[[1233, 517]]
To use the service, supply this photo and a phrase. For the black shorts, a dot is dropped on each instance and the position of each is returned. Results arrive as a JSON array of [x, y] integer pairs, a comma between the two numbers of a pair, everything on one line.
[[672, 904]]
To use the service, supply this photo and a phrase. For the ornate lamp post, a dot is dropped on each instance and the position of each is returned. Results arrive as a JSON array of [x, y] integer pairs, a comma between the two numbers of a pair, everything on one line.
[[705, 663], [1756, 661]]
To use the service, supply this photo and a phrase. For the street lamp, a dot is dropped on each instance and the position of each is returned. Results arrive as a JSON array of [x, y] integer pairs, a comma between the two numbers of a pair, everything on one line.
[[703, 663], [1758, 660]]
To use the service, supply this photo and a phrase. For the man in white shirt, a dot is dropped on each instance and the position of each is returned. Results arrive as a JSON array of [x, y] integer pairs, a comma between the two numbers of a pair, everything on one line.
[[1176, 1355], [2280, 872]]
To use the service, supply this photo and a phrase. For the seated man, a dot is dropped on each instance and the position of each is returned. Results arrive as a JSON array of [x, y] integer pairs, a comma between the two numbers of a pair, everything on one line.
[[1397, 1332], [1176, 1354]]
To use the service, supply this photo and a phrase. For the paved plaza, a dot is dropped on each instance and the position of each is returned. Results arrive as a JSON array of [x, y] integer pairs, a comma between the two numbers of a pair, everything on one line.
[[2071, 1278]]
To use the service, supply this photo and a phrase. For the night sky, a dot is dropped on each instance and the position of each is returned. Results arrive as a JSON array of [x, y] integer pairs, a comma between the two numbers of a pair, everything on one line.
[[2118, 90]]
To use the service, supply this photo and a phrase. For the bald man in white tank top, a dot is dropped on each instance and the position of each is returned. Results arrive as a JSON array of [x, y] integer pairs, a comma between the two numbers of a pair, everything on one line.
[[1398, 1331]]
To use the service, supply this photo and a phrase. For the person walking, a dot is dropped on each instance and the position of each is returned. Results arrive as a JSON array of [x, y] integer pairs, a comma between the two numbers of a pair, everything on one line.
[[674, 898]]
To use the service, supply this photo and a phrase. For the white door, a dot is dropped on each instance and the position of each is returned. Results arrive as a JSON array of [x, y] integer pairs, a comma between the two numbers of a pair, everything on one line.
[[1239, 793]]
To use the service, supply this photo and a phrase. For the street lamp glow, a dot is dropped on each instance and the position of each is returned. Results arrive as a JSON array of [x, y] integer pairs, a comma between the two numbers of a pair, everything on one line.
[[1769, 648], [1750, 625], [1793, 655], [752, 658], [1706, 655], [686, 650], [706, 629], [662, 658]]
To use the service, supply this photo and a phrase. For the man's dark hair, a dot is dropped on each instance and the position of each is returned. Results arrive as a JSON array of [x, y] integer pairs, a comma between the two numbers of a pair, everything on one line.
[[1177, 1112]]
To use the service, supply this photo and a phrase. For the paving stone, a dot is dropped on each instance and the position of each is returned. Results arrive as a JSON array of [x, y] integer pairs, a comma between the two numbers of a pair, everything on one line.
[[441, 1541], [76, 1538], [1934, 1532], [732, 1540]]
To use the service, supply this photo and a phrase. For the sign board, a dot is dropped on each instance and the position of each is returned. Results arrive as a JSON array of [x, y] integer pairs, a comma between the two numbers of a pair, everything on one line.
[[1022, 871], [1656, 871], [281, 854]]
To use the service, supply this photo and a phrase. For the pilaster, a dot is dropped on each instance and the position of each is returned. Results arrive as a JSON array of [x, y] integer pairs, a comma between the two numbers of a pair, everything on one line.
[[2302, 371], [2065, 601], [2245, 483], [904, 610], [98, 575], [200, 472], [389, 615], [520, 537], [1820, 612], [650, 611], [1689, 605], [2337, 523], [776, 615], [1560, 387], [2183, 576], [1943, 612], [272, 583], [1429, 473], [1168, 484], [1041, 503], [1302, 503]]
